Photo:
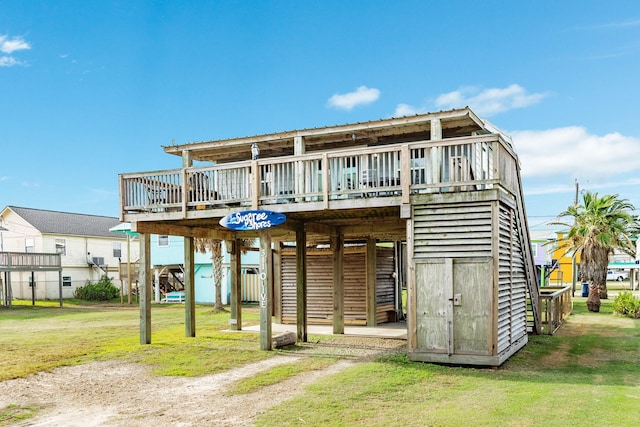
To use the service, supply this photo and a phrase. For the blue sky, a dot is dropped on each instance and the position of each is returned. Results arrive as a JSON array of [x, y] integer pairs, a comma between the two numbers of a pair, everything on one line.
[[92, 89]]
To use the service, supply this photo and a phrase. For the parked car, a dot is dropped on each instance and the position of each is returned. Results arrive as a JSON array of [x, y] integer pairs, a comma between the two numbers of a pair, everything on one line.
[[618, 276]]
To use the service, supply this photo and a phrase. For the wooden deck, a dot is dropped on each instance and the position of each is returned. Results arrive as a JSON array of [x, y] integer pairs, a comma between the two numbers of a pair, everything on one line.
[[360, 178]]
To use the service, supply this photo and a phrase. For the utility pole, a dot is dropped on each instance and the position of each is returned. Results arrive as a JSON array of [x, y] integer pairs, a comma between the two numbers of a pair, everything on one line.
[[574, 273]]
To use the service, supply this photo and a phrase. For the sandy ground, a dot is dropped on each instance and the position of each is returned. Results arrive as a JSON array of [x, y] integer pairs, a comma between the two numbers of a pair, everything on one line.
[[116, 393]]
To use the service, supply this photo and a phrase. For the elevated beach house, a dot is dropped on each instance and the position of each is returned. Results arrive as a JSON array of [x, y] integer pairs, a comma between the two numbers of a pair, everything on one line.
[[431, 204]]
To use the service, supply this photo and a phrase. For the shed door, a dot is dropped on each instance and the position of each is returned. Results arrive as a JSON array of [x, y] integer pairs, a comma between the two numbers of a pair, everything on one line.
[[433, 290], [453, 305]]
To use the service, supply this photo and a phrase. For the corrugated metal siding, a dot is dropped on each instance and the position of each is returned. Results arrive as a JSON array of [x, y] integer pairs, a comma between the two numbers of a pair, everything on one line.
[[512, 298], [452, 231]]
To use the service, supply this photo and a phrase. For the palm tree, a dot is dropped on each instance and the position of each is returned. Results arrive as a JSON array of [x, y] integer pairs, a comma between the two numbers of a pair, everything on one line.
[[601, 224], [203, 245], [215, 247]]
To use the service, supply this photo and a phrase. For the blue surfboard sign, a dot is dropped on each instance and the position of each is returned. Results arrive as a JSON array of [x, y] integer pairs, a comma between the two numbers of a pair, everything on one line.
[[252, 220]]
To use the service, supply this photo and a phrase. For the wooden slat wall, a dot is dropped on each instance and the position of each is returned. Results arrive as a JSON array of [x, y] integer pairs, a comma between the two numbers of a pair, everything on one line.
[[512, 298], [458, 230], [385, 285], [319, 279]]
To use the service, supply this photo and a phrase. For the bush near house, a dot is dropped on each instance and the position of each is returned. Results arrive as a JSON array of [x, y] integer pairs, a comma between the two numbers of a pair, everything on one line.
[[627, 304], [102, 290]]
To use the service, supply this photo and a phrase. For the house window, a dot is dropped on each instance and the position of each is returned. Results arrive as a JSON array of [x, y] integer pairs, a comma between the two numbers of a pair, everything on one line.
[[163, 240], [117, 249], [66, 281], [61, 246], [534, 249], [28, 245]]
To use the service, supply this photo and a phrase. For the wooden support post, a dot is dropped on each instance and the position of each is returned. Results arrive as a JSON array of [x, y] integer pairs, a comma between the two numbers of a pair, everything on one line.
[[189, 289], [405, 177], [337, 244], [325, 181], [371, 282], [60, 286], [128, 268], [235, 279], [301, 283], [265, 290], [145, 288]]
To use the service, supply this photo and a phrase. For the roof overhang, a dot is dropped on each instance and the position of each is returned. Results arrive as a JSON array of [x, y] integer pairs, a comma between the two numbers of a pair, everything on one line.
[[454, 123]]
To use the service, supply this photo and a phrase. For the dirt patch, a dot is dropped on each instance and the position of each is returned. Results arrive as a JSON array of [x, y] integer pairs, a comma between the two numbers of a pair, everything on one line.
[[117, 393]]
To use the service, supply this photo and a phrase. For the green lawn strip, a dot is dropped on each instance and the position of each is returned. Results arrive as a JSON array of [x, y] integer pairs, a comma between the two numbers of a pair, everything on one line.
[[278, 374], [41, 338], [590, 368], [14, 413]]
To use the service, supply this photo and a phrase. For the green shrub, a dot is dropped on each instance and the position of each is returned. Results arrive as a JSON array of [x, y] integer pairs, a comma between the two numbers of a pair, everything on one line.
[[627, 305], [103, 290]]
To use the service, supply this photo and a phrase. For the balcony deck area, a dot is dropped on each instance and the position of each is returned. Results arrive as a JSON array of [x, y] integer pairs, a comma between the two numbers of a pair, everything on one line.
[[369, 187]]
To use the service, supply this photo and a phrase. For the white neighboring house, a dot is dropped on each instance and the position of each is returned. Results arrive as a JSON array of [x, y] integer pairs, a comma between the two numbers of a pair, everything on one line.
[[88, 249]]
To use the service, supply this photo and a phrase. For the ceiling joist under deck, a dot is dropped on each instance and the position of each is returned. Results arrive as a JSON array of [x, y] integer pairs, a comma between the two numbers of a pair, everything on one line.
[[358, 224]]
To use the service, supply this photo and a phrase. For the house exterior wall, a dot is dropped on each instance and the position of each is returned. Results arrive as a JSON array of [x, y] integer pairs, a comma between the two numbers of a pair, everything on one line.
[[76, 270], [564, 273]]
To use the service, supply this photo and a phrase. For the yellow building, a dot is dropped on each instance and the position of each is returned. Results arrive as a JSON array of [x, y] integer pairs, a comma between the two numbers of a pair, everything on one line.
[[564, 273]]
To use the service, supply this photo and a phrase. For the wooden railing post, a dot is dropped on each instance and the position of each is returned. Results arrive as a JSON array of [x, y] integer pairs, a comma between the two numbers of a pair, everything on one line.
[[325, 180], [255, 184]]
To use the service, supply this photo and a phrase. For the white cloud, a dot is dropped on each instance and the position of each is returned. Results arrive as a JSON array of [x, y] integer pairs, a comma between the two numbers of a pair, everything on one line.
[[10, 45], [572, 151], [347, 101], [488, 102], [485, 102], [8, 61]]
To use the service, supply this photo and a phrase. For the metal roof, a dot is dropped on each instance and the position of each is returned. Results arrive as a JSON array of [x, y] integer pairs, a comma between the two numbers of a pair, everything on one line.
[[53, 222]]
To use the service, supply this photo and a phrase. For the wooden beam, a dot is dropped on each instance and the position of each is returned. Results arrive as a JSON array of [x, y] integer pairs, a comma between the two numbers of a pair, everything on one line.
[[181, 230], [235, 279], [371, 282], [144, 276], [266, 272], [337, 244], [189, 289], [301, 283]]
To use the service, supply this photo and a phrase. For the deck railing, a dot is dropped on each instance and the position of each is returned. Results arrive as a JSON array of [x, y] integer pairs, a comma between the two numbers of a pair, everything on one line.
[[450, 165], [29, 261], [555, 305]]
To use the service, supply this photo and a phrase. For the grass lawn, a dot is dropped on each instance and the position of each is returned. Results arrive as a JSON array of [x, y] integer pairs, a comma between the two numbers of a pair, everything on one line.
[[586, 374], [45, 336]]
